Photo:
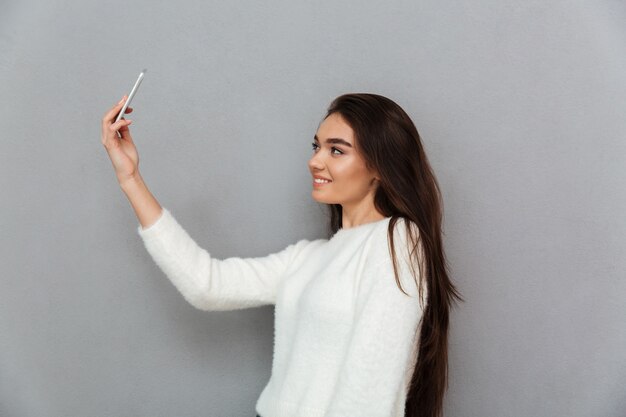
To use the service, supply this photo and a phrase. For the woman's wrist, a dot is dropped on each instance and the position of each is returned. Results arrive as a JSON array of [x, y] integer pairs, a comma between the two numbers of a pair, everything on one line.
[[131, 182], [146, 207]]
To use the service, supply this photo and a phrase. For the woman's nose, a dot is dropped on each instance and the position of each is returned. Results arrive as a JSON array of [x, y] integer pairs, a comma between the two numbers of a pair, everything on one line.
[[316, 163]]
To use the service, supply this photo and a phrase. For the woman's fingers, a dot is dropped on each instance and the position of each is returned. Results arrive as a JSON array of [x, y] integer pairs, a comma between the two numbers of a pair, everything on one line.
[[115, 127], [125, 133], [113, 131], [111, 114]]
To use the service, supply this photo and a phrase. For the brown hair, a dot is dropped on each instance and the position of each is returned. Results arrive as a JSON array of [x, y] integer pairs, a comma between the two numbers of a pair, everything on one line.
[[390, 145]]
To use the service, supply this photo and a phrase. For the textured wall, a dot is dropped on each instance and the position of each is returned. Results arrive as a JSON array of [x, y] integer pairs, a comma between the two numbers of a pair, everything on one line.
[[521, 109]]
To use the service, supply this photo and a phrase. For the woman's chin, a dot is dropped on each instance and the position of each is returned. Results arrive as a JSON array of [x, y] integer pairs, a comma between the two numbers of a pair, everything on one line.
[[315, 194]]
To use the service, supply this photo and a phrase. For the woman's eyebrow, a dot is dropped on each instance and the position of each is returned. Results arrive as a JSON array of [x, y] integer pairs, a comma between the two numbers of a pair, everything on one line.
[[335, 140]]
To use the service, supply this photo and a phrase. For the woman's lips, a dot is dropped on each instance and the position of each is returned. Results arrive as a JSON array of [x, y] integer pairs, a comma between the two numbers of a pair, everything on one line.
[[320, 182]]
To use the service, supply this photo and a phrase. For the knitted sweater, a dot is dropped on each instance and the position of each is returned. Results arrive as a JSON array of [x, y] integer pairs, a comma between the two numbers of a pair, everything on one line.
[[344, 333]]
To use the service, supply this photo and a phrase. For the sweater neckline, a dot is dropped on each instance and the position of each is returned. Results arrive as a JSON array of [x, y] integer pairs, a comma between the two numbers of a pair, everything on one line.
[[356, 229]]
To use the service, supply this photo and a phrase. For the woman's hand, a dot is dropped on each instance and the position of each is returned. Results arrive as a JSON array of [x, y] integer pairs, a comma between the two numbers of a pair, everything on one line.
[[121, 150]]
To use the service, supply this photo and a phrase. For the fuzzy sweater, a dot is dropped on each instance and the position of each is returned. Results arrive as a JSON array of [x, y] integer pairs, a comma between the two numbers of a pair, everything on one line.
[[344, 334]]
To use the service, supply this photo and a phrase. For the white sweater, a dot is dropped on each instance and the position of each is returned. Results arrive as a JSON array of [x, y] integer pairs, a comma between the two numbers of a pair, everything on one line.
[[344, 333]]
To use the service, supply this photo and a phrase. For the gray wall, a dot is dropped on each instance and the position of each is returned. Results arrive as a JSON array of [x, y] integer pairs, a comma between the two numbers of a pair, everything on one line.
[[521, 108]]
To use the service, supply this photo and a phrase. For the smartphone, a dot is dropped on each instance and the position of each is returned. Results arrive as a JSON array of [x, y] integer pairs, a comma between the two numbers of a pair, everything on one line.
[[132, 94]]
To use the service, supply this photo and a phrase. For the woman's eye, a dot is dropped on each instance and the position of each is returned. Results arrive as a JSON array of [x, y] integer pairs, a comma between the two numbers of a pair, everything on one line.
[[333, 150]]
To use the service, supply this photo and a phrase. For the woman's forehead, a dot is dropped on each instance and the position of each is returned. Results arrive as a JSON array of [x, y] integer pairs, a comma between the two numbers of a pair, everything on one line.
[[335, 127]]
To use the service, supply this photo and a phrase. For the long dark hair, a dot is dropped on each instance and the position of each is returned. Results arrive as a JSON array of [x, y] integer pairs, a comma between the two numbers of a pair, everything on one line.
[[390, 145]]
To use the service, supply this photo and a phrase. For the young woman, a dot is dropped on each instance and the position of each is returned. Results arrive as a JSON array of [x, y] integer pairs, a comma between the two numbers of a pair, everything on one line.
[[361, 318]]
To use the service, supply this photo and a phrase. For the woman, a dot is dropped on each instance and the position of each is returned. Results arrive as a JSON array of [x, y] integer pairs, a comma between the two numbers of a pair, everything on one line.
[[361, 318]]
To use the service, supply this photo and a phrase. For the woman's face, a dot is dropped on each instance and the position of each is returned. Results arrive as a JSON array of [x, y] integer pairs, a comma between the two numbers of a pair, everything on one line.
[[339, 172]]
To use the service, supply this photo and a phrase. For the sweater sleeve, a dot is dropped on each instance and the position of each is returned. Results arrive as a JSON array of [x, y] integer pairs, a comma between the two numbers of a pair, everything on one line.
[[212, 284], [382, 349]]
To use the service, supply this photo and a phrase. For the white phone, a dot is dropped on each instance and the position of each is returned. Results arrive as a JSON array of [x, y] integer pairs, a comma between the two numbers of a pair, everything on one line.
[[132, 94]]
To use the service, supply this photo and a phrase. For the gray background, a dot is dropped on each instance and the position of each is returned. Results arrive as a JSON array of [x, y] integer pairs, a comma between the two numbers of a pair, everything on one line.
[[521, 109]]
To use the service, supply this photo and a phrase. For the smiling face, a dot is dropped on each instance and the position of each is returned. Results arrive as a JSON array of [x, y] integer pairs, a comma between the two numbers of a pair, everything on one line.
[[340, 175]]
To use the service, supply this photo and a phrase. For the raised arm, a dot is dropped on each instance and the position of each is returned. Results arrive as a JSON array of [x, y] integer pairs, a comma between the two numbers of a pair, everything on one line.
[[207, 283], [121, 149], [213, 284]]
